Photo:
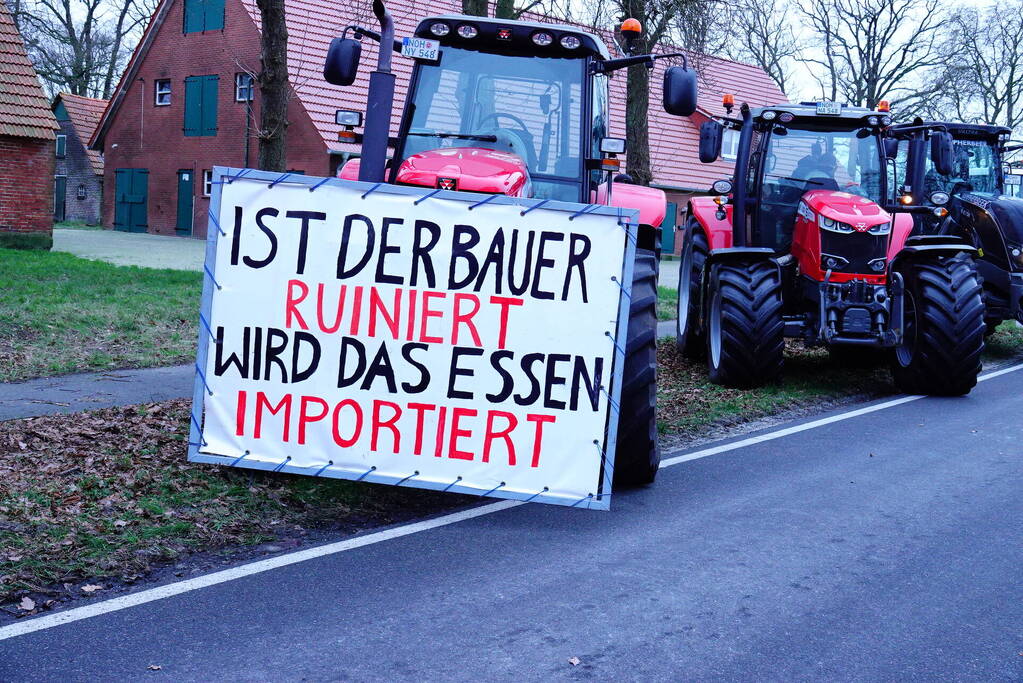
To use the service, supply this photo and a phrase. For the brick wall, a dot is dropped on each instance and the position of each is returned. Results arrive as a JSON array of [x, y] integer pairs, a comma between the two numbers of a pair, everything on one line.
[[76, 167], [142, 135], [26, 185]]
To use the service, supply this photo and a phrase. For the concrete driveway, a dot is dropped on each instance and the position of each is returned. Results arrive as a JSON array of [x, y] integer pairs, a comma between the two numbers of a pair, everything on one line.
[[132, 249]]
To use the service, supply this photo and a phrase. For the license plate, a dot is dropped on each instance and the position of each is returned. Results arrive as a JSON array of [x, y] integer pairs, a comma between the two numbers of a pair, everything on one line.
[[829, 109], [420, 48], [1013, 179]]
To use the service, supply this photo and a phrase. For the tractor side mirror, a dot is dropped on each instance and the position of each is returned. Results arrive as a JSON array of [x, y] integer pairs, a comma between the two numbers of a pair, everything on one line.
[[680, 91], [891, 148], [342, 64], [711, 134], [941, 153]]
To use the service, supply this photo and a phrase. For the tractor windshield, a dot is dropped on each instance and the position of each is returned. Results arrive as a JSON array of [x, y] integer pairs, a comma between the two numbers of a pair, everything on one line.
[[529, 107], [975, 169], [796, 161]]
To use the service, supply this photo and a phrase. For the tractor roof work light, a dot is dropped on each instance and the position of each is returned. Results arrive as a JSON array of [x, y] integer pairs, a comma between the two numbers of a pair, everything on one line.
[[440, 29], [769, 115], [570, 42], [542, 38], [786, 117], [468, 31]]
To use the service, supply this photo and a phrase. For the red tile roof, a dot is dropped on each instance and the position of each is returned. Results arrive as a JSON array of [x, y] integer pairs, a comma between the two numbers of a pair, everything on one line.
[[85, 113], [24, 110]]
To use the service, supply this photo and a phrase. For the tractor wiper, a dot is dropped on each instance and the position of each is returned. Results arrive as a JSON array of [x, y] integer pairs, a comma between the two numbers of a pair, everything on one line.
[[460, 136], [795, 180]]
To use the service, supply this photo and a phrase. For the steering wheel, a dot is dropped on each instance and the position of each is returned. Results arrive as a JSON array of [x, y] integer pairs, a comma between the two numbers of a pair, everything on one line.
[[523, 133]]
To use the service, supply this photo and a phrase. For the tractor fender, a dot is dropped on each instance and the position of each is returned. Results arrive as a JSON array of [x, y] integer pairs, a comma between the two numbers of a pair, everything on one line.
[[740, 254], [902, 227], [651, 202], [718, 230], [949, 248]]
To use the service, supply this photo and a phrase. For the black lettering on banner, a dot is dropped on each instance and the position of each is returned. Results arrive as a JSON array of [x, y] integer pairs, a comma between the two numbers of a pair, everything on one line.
[[456, 353], [221, 366], [424, 372], [592, 385], [507, 383], [575, 261], [495, 258], [359, 350], [421, 252], [260, 215], [554, 380], [274, 351], [527, 367], [527, 267], [236, 238], [461, 250], [542, 263], [386, 249], [346, 235], [303, 235], [314, 345], [380, 366]]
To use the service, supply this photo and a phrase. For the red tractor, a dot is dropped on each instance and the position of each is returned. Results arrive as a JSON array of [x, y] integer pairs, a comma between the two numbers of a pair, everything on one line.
[[518, 108], [807, 240]]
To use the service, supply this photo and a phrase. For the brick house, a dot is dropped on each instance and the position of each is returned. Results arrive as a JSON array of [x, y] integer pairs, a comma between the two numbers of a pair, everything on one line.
[[78, 177], [186, 104], [27, 140]]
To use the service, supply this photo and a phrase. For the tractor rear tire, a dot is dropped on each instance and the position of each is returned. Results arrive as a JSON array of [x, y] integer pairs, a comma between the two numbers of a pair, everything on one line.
[[943, 336], [745, 329], [637, 456], [689, 337]]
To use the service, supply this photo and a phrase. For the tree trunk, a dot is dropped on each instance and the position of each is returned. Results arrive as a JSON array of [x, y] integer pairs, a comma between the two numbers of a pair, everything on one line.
[[505, 9], [274, 87], [475, 7], [637, 105]]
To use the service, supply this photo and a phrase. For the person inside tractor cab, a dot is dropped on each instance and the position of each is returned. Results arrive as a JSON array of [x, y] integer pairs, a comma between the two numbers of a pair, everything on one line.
[[817, 169]]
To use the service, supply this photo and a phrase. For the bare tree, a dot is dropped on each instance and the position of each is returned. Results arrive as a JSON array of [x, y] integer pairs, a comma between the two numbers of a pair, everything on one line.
[[758, 32], [873, 50], [274, 86]]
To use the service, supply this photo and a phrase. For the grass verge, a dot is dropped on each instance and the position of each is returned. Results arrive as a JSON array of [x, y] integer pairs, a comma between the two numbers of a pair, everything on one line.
[[667, 303], [60, 313]]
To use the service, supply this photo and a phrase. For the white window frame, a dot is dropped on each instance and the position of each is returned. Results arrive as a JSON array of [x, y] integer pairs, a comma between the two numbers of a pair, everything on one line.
[[207, 183], [729, 144], [158, 92], [238, 87], [61, 138]]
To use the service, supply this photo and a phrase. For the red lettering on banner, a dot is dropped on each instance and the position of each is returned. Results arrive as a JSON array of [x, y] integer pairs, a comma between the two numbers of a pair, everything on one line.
[[459, 318], [356, 309], [428, 313], [340, 309], [376, 304], [336, 426], [378, 424], [291, 307], [505, 434], [504, 302], [285, 404], [420, 409], [456, 433], [411, 329], [538, 436], [239, 415], [304, 417], [438, 446]]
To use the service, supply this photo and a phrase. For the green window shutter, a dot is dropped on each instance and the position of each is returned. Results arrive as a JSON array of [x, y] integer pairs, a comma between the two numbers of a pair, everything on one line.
[[61, 146], [210, 88], [195, 18], [214, 14], [193, 106]]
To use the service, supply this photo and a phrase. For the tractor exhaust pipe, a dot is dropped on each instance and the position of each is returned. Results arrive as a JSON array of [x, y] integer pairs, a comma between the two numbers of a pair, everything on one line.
[[741, 172], [379, 103]]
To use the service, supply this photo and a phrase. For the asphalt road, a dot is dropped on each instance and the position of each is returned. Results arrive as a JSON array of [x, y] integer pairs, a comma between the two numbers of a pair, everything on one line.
[[885, 546]]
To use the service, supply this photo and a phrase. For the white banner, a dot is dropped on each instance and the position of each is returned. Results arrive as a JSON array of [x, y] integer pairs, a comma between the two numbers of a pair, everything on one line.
[[395, 337]]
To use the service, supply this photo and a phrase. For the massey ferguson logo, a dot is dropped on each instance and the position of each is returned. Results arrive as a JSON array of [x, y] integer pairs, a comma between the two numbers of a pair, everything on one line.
[[860, 227], [447, 183]]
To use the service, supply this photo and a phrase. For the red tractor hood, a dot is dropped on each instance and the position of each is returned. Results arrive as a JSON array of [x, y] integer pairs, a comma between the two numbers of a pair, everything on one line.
[[470, 169], [852, 209]]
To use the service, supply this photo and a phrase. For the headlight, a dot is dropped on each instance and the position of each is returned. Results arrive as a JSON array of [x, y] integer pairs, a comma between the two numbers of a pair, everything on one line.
[[872, 120], [722, 186], [570, 42], [833, 225], [939, 198], [880, 229], [542, 39], [1016, 252], [440, 29], [829, 262], [467, 31]]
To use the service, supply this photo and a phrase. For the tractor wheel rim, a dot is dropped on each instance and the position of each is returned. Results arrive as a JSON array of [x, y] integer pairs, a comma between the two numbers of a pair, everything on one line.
[[906, 349], [714, 333], [685, 279]]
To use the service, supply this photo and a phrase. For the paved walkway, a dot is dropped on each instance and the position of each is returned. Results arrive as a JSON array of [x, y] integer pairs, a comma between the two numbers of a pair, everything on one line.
[[132, 249]]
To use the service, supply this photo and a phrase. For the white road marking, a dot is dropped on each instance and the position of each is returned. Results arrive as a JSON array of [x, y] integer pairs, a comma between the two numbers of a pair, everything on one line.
[[140, 598]]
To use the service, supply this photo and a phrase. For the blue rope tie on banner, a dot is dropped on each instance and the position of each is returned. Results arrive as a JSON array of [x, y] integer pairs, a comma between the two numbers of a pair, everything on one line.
[[490, 198], [544, 490], [210, 273], [610, 400], [370, 191], [320, 471], [614, 279], [286, 461], [585, 209], [589, 496], [230, 179], [603, 456], [202, 376], [534, 206], [284, 176], [372, 468], [426, 196], [402, 481], [216, 224], [452, 483], [615, 342], [209, 329], [317, 185], [493, 489], [198, 426], [240, 458], [625, 226]]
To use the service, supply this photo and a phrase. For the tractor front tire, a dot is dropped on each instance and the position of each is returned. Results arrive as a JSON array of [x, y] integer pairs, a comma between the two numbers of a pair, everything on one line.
[[745, 329], [943, 332], [689, 337], [637, 456]]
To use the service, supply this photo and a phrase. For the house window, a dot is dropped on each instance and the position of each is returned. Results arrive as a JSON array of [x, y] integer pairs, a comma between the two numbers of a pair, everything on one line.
[[243, 87], [729, 144], [61, 146], [207, 183], [204, 15], [201, 105], [81, 192], [162, 87]]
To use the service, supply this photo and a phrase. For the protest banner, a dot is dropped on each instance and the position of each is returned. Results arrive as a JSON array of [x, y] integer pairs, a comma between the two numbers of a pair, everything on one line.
[[398, 335]]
